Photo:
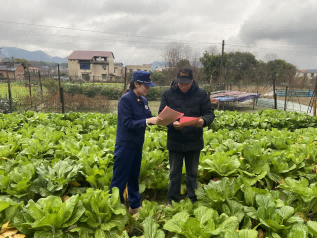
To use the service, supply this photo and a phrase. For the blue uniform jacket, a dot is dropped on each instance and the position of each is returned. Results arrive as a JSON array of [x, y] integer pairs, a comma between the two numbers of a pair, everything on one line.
[[132, 114]]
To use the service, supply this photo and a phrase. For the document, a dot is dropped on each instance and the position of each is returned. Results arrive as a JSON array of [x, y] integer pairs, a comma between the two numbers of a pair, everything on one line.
[[188, 121], [168, 116]]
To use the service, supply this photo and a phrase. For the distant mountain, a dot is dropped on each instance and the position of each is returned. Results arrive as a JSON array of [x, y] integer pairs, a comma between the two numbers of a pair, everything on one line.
[[157, 63], [30, 55]]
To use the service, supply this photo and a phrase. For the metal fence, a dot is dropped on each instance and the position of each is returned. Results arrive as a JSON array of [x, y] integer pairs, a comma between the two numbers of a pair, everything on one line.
[[64, 94]]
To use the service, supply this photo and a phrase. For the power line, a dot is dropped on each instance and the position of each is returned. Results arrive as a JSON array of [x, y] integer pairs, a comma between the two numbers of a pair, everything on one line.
[[103, 32], [261, 48]]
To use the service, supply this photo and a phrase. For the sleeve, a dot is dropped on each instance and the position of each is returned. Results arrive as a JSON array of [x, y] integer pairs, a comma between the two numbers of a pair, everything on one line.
[[162, 106], [207, 111], [126, 113]]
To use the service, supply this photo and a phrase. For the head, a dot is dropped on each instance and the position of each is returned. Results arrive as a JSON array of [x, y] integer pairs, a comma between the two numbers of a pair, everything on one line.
[[184, 79], [141, 83], [139, 89]]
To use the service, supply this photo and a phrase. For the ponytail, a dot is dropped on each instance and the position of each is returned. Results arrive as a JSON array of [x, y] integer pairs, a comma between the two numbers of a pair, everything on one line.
[[131, 86]]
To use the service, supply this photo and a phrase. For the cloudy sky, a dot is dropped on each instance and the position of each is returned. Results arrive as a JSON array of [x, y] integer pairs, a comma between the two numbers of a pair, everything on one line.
[[139, 31]]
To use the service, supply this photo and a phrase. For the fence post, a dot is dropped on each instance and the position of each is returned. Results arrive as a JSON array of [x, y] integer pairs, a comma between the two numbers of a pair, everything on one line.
[[61, 91], [41, 85], [274, 93], [30, 88], [285, 103], [9, 92]]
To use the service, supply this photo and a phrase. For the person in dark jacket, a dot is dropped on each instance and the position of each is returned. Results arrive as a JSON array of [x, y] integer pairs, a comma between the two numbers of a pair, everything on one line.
[[134, 115], [186, 97]]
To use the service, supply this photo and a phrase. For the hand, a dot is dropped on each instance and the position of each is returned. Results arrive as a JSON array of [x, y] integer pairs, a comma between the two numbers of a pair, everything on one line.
[[153, 120], [200, 123], [177, 126]]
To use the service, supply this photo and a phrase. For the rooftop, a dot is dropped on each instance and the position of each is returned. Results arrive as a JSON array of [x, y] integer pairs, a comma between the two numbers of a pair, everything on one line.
[[88, 55]]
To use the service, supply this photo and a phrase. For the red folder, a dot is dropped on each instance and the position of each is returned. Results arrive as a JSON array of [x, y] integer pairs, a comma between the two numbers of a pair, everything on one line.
[[188, 121], [169, 115]]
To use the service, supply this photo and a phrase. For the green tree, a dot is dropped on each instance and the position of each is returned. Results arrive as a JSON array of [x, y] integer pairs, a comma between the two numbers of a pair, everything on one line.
[[6, 59], [158, 78], [24, 61], [241, 66], [282, 70], [184, 63], [211, 65]]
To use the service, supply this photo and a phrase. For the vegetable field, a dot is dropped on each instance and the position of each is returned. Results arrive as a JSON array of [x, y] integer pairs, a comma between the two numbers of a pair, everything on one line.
[[257, 178]]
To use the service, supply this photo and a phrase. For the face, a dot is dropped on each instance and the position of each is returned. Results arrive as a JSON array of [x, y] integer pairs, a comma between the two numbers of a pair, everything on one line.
[[141, 89], [184, 87]]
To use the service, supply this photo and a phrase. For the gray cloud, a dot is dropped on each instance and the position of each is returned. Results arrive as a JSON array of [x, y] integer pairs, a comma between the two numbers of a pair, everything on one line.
[[252, 24]]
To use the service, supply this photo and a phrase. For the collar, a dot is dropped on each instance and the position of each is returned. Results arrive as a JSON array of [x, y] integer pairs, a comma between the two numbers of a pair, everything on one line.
[[134, 96]]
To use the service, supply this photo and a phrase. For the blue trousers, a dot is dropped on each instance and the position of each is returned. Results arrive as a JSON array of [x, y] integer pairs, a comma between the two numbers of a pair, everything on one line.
[[126, 170]]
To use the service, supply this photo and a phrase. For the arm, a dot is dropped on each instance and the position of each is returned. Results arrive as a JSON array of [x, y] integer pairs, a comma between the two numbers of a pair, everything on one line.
[[207, 111], [125, 110]]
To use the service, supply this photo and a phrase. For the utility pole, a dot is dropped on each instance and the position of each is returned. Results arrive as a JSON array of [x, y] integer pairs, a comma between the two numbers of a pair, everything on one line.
[[221, 65]]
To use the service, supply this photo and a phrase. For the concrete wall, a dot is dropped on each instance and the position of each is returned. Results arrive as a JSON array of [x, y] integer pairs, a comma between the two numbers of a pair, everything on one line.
[[144, 67]]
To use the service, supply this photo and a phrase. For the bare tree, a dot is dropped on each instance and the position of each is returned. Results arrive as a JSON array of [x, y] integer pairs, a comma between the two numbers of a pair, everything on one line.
[[173, 54], [197, 66], [270, 57], [213, 50]]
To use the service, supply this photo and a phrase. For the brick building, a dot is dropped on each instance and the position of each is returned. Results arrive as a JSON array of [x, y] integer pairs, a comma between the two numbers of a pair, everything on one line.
[[13, 70]]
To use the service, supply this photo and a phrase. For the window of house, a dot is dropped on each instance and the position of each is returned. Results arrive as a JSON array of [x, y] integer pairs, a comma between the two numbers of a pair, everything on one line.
[[103, 59], [131, 70], [84, 66], [312, 75], [104, 76], [104, 67], [85, 77], [115, 69], [96, 58]]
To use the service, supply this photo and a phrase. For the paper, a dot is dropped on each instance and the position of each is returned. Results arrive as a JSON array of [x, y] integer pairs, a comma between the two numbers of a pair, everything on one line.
[[168, 116], [188, 121]]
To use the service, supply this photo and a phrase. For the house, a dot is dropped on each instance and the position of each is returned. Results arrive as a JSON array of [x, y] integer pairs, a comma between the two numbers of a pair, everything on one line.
[[144, 67], [161, 68], [119, 70], [13, 70], [33, 70], [92, 65], [307, 73]]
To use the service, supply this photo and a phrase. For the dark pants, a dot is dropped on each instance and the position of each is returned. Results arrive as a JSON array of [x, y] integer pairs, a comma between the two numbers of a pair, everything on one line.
[[176, 164], [126, 170]]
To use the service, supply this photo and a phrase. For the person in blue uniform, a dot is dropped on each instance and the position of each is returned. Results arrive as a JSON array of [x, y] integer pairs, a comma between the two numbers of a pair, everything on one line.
[[134, 116]]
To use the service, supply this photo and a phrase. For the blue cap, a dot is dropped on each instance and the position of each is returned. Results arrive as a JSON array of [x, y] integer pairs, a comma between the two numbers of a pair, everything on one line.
[[143, 77]]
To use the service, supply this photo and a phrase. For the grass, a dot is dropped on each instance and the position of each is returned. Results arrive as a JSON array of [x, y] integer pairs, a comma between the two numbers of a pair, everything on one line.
[[19, 91], [154, 106]]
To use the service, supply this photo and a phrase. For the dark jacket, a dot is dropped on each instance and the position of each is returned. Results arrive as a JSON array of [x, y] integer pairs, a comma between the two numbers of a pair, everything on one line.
[[194, 103], [132, 114]]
